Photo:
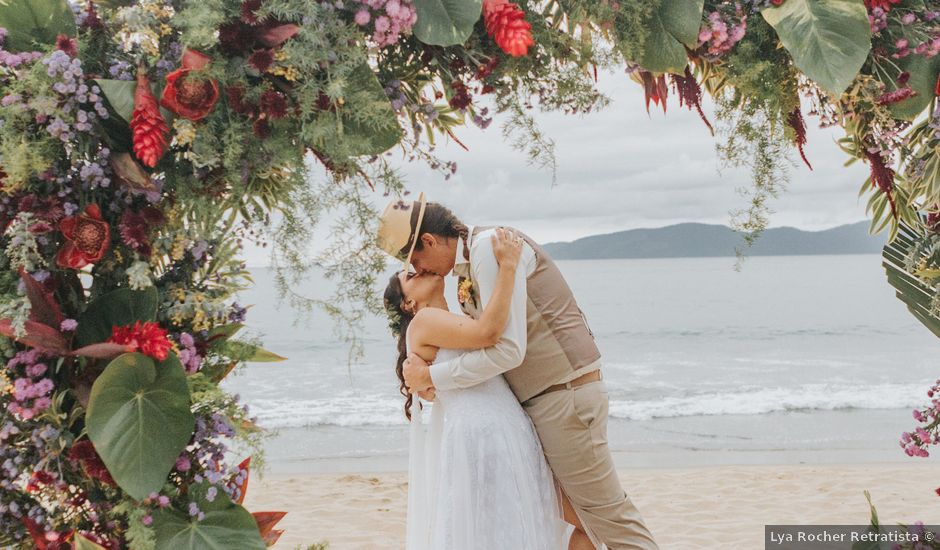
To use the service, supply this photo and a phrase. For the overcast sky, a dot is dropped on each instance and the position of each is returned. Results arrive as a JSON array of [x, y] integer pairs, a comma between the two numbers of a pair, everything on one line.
[[620, 168]]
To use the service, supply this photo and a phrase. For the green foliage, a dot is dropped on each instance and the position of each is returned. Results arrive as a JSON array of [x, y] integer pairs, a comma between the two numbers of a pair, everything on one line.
[[754, 138], [120, 96], [139, 420], [371, 135], [828, 39], [874, 527], [446, 22], [912, 265], [33, 24], [209, 398], [82, 543], [226, 525], [116, 308], [522, 132], [139, 536], [351, 262], [672, 27], [923, 73]]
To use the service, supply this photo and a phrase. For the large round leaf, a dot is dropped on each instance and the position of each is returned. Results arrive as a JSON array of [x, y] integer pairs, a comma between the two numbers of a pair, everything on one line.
[[828, 39], [120, 307], [672, 26], [139, 419], [30, 24], [226, 525], [923, 80], [380, 132], [446, 22]]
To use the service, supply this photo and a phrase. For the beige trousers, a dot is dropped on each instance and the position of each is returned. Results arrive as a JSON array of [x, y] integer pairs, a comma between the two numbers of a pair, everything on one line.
[[572, 425]]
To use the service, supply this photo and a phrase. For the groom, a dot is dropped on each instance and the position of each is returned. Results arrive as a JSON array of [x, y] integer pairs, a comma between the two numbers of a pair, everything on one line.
[[546, 353]]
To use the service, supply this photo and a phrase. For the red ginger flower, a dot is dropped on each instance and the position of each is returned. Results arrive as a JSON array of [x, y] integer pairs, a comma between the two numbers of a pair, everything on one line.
[[148, 127], [505, 23], [883, 4], [185, 93], [147, 338], [87, 237]]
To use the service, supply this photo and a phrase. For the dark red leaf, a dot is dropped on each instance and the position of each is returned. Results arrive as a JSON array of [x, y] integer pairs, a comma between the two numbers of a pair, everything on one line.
[[273, 37], [103, 350], [43, 307]]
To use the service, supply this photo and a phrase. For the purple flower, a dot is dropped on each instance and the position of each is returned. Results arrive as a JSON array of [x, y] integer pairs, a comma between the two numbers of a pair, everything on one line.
[[68, 325]]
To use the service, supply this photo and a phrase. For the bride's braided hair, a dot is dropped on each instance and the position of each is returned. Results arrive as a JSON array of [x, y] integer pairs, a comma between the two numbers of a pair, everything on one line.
[[399, 319]]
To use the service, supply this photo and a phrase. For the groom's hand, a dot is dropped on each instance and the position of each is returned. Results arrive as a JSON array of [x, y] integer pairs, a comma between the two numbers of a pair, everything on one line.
[[417, 374]]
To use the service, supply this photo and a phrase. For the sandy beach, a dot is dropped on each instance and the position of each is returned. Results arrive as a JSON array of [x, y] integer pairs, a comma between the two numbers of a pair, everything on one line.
[[702, 507]]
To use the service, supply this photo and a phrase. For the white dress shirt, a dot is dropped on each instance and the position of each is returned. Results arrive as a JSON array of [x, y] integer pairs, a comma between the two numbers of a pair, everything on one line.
[[476, 366]]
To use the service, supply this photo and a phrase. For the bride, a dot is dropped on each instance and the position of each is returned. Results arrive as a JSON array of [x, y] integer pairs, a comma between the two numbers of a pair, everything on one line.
[[477, 475]]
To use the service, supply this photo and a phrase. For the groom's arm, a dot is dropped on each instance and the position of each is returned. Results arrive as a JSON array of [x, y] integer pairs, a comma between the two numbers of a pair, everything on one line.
[[474, 367]]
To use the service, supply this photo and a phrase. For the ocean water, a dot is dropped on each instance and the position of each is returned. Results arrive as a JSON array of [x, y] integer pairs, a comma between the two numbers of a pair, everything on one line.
[[792, 359]]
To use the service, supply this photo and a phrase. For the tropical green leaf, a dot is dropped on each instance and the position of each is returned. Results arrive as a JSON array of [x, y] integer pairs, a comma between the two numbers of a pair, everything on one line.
[[365, 90], [255, 354], [446, 22], [674, 25], [139, 420], [83, 543], [31, 24], [829, 40], [119, 307], [924, 72], [120, 96], [682, 19], [915, 294], [873, 528], [226, 525], [225, 331]]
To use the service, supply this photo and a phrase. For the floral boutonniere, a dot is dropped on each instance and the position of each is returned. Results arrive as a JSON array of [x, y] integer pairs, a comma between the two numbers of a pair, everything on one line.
[[465, 292]]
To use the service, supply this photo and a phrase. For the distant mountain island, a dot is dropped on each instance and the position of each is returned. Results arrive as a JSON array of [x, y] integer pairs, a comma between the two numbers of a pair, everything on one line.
[[702, 240]]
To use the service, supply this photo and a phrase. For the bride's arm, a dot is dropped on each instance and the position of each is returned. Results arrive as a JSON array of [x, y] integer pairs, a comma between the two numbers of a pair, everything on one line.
[[443, 329]]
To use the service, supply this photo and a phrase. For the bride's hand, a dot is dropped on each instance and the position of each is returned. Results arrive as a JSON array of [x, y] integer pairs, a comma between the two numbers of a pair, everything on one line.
[[507, 246]]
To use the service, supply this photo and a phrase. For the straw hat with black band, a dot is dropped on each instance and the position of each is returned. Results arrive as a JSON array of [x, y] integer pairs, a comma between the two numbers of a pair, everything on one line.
[[399, 227]]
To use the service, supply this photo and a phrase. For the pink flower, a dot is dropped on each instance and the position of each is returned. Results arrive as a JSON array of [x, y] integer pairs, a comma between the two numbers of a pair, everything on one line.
[[362, 18], [381, 24]]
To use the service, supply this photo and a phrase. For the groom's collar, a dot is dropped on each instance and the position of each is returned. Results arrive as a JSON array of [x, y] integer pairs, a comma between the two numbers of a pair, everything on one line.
[[459, 262]]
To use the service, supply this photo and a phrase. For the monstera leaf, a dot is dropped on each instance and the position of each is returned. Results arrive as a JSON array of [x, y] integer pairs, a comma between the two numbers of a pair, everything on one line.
[[139, 420], [119, 307], [829, 40], [909, 289], [226, 525], [446, 22], [674, 25], [31, 24]]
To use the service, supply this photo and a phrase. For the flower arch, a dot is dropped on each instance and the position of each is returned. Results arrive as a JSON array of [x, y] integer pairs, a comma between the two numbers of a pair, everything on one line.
[[143, 142]]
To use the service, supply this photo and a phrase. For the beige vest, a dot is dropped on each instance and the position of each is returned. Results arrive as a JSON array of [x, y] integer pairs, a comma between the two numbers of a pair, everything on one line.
[[559, 341]]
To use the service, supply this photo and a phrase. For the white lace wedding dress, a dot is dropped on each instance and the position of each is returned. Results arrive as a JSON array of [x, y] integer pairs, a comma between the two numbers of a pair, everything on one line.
[[477, 475]]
